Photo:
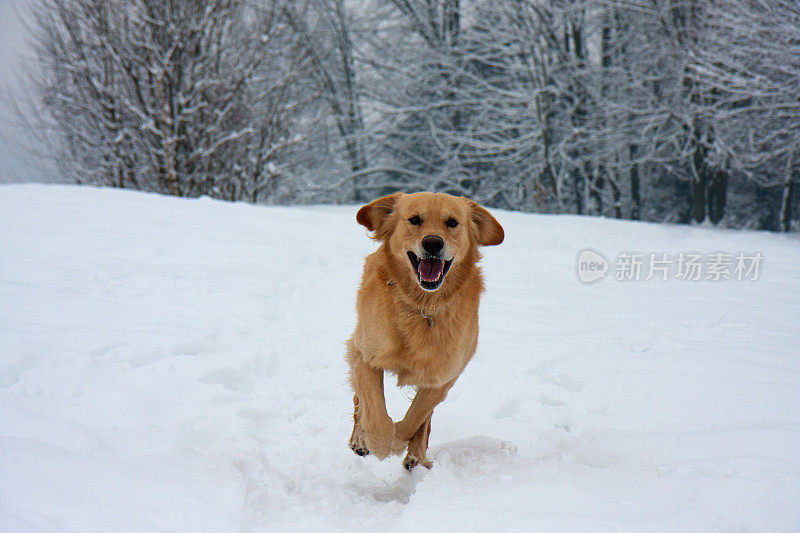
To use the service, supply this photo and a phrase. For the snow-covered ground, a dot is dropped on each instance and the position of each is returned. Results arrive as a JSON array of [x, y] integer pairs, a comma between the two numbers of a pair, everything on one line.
[[176, 365]]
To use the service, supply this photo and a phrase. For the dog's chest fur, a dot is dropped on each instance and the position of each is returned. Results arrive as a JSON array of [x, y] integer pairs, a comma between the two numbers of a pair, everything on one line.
[[399, 336]]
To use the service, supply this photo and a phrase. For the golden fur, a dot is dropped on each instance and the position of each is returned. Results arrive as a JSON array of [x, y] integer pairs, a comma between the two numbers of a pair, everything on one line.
[[425, 338]]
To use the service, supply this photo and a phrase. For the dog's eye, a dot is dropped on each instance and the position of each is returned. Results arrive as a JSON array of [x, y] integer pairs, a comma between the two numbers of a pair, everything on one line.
[[415, 220], [452, 223]]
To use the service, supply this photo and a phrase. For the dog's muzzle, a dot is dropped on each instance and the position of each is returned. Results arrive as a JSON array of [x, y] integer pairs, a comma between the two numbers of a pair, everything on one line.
[[430, 270]]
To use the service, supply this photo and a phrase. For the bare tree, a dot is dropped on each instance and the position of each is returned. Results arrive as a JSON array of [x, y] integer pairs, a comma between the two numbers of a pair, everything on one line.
[[755, 76], [324, 29], [176, 96], [668, 110]]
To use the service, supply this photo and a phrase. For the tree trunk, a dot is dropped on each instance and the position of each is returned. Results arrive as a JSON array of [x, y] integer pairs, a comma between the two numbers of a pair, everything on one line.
[[699, 177], [698, 199], [452, 21], [577, 184], [581, 180], [786, 204], [636, 201], [605, 62], [596, 184], [615, 196], [355, 120], [717, 190], [451, 15]]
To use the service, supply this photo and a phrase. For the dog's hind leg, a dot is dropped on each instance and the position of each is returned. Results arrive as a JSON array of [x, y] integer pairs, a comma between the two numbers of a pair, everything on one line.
[[417, 447], [357, 442]]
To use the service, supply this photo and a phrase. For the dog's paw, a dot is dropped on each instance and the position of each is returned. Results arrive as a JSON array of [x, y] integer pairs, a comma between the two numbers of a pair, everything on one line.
[[411, 461], [361, 451], [379, 438], [358, 443], [379, 447]]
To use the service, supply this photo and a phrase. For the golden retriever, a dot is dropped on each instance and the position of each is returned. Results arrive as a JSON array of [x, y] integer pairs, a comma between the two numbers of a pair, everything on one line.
[[417, 313]]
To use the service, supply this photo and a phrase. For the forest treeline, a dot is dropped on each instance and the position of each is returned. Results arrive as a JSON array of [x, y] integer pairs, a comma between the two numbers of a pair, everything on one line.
[[660, 110]]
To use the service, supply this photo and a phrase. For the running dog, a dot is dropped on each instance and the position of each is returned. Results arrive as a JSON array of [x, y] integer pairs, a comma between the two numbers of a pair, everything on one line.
[[417, 313]]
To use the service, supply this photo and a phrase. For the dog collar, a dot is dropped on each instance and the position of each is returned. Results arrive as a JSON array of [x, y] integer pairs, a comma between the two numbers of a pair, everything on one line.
[[428, 318]]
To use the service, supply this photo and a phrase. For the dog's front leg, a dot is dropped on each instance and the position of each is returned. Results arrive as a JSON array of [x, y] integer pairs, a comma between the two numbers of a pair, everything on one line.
[[420, 410], [371, 406]]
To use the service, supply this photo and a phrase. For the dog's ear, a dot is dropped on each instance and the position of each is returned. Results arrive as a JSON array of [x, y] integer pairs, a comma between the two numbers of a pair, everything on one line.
[[487, 230], [373, 215]]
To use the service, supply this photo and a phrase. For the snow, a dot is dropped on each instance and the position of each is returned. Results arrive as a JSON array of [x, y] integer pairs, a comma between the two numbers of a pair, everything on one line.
[[177, 365]]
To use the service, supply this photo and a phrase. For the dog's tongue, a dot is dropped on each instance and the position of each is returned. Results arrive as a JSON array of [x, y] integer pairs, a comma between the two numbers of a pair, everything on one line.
[[430, 269]]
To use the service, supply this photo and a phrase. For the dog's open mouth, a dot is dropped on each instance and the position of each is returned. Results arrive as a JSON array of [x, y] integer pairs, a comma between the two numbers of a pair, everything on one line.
[[430, 270]]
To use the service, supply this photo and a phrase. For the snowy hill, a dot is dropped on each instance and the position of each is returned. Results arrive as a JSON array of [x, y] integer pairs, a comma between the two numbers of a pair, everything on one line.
[[176, 365]]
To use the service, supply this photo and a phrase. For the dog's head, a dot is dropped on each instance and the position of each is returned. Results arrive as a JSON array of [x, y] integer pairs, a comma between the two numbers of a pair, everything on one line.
[[430, 232]]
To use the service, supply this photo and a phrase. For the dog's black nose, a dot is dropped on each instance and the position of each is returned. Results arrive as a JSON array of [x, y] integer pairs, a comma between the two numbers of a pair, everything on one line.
[[432, 244]]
